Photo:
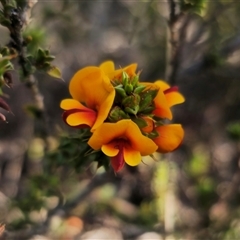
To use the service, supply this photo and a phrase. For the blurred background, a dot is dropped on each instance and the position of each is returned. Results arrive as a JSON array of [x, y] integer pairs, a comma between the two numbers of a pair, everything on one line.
[[192, 193]]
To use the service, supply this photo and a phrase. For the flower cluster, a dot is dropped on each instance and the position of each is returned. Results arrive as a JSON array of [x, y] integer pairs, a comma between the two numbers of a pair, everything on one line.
[[125, 116]]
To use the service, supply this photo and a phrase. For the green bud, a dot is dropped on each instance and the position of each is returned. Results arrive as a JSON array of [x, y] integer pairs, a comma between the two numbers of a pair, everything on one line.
[[131, 101], [116, 114], [128, 88], [125, 79], [46, 66], [132, 110], [121, 91], [135, 80], [131, 104], [41, 53], [139, 89]]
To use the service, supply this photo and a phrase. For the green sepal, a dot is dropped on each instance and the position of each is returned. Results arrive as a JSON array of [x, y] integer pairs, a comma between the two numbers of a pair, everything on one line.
[[145, 102], [153, 93], [140, 122], [153, 134], [41, 53], [125, 79], [117, 114], [121, 91], [148, 110], [159, 123], [133, 111], [132, 102], [135, 81], [139, 89], [128, 88]]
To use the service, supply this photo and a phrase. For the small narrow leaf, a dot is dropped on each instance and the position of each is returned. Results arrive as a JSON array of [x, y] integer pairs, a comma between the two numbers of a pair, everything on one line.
[[55, 72]]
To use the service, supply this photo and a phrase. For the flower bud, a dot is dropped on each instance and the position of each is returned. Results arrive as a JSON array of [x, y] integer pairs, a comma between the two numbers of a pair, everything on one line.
[[131, 104], [139, 89], [125, 79], [117, 114], [129, 88], [121, 91], [149, 127], [135, 80]]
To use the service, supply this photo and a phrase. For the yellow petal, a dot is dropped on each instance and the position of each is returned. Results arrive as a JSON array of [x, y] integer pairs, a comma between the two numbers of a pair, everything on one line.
[[174, 98], [110, 149], [131, 156], [162, 108], [91, 86], [107, 67], [81, 118], [130, 70], [68, 104], [149, 85], [170, 137], [81, 80], [124, 129], [162, 85], [107, 132]]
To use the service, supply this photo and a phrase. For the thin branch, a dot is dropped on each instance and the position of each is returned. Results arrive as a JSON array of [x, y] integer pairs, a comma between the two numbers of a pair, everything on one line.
[[18, 20], [175, 38]]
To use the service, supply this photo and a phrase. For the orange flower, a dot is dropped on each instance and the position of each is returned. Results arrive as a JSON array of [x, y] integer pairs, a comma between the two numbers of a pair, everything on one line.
[[166, 98], [93, 88], [122, 142], [109, 69], [170, 137]]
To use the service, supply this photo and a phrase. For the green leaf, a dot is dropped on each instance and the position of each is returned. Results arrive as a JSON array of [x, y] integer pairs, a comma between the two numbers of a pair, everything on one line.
[[233, 130], [55, 72]]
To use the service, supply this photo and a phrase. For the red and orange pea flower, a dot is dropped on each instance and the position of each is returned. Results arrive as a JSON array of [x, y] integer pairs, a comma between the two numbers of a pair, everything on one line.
[[166, 98], [122, 140], [92, 87], [171, 135]]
